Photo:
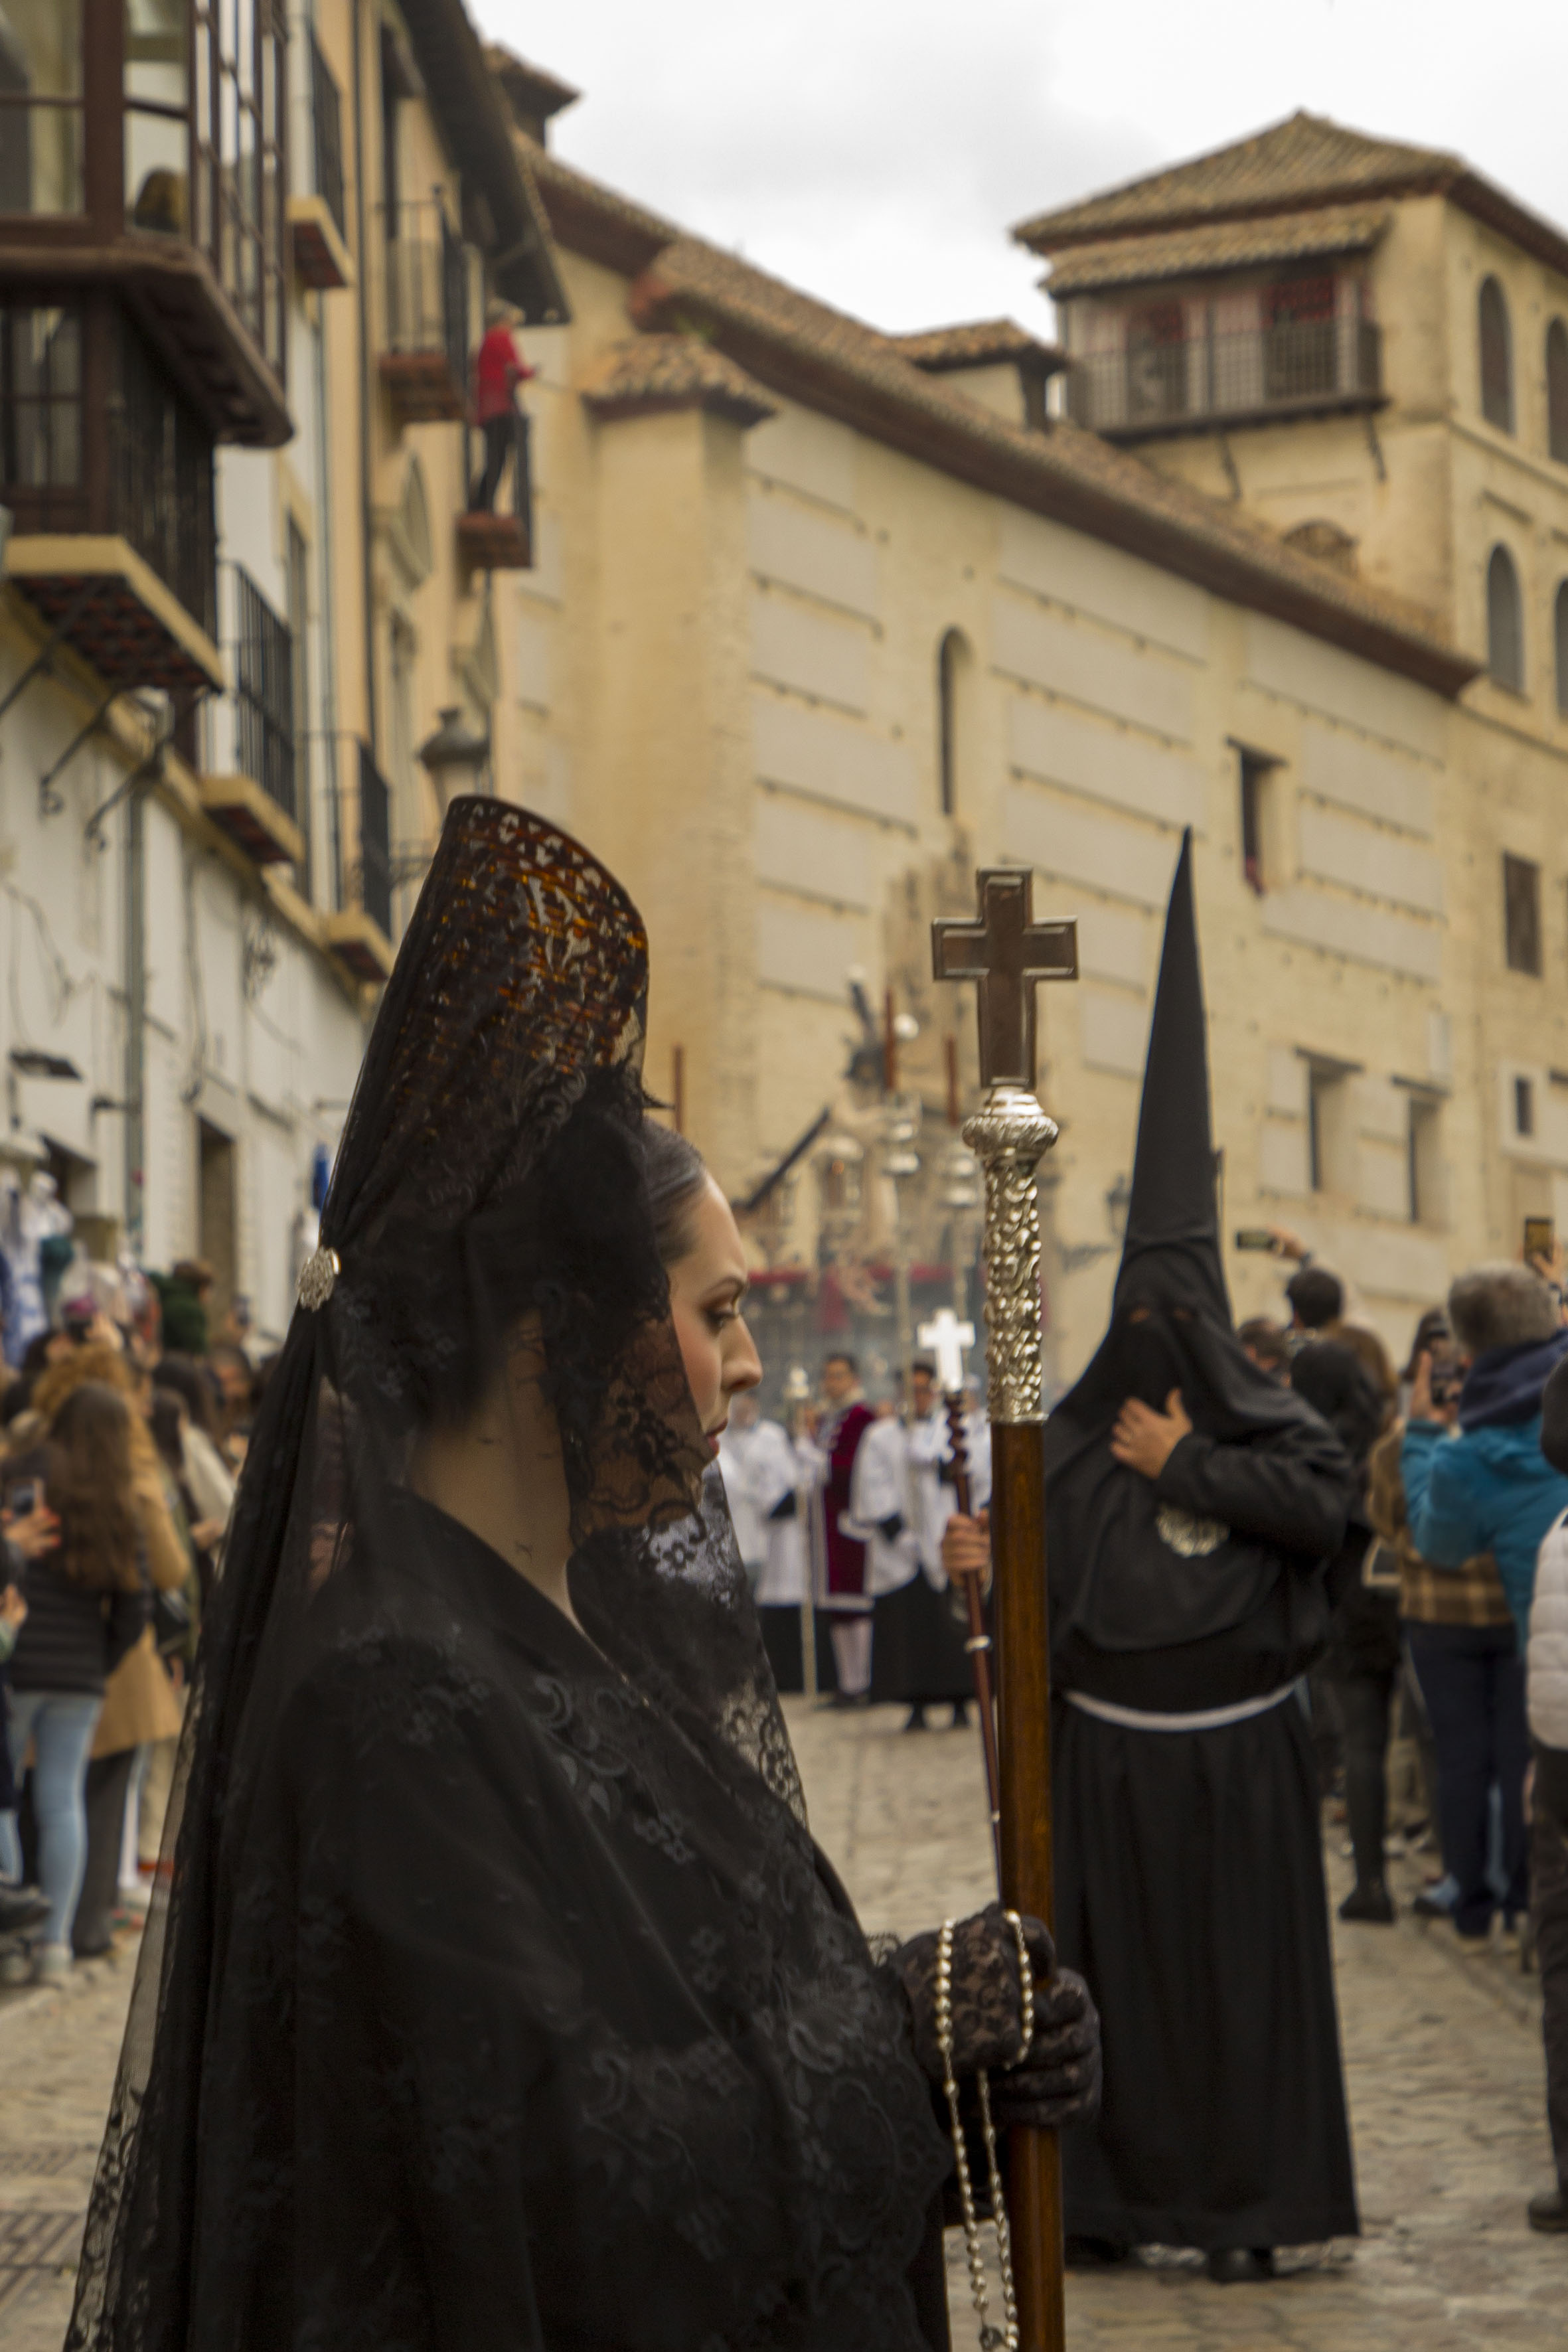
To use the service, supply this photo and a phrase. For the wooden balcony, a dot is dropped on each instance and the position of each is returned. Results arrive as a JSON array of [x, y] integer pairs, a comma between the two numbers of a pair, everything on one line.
[[110, 608], [253, 819], [115, 184], [320, 257], [491, 541], [495, 543], [359, 943], [425, 358]]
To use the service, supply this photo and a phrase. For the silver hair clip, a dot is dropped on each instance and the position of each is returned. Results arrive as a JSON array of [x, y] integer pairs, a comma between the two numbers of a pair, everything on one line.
[[319, 1278]]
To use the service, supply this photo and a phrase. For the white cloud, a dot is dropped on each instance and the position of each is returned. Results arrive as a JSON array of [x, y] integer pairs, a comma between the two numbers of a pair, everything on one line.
[[878, 155]]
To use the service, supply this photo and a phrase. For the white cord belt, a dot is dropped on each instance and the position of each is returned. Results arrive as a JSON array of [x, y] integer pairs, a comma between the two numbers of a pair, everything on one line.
[[1208, 1718]]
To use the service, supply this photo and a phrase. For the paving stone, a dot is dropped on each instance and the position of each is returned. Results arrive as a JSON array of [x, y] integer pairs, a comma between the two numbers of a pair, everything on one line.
[[1442, 2059], [1442, 2054]]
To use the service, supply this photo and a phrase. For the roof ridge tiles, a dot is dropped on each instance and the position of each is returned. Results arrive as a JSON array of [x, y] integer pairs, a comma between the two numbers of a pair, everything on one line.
[[1291, 165]]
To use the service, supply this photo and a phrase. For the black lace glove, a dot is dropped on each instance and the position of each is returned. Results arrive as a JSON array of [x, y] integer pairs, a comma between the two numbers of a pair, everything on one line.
[[987, 2004], [1058, 2082]]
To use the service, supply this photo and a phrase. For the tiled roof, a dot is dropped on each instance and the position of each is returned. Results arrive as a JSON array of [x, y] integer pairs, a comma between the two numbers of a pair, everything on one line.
[[1304, 162], [529, 87], [818, 356], [654, 371], [985, 341], [1226, 244]]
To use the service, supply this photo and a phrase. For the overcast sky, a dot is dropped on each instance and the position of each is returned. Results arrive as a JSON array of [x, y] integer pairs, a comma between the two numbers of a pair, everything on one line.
[[877, 155]]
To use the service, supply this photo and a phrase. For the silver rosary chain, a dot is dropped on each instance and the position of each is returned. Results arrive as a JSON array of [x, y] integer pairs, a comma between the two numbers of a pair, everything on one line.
[[1005, 2337]]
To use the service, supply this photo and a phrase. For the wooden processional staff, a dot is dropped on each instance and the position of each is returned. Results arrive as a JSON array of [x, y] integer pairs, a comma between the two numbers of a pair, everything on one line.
[[1006, 951]]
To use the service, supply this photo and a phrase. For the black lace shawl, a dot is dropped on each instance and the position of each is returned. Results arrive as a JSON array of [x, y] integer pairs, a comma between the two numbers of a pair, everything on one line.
[[498, 1996]]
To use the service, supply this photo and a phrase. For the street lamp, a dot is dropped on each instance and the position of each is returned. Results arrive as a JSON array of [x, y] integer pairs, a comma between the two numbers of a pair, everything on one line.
[[454, 758]]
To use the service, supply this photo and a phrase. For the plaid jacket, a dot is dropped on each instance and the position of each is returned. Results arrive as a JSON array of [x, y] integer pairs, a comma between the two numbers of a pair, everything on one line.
[[1471, 1595]]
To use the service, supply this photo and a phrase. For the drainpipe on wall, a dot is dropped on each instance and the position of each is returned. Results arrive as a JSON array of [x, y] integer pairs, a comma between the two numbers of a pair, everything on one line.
[[135, 1022], [362, 300]]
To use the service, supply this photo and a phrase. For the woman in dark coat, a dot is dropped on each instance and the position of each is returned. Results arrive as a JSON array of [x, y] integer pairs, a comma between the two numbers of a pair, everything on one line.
[[503, 1998]]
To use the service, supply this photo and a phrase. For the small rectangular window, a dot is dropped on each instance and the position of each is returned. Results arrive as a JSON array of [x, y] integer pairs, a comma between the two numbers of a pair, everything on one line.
[[1424, 1166], [1524, 1107], [1522, 914], [1256, 771], [1328, 1138]]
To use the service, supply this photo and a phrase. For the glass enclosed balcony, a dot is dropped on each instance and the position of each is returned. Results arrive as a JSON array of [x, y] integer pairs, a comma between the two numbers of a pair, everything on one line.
[[141, 150], [107, 469]]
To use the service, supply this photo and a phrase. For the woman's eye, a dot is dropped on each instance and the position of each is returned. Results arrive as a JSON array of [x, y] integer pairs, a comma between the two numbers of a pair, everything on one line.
[[719, 1315]]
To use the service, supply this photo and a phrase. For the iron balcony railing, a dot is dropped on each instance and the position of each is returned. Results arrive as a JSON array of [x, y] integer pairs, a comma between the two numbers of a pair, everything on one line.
[[161, 472], [374, 842], [264, 695], [326, 115], [356, 801], [428, 288], [1165, 384]]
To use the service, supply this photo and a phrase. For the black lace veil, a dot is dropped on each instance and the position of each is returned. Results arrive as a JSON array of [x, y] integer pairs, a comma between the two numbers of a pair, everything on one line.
[[490, 1168]]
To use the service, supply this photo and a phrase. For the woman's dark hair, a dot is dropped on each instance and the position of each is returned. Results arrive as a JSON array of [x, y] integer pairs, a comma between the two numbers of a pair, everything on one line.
[[676, 1174], [583, 1243], [88, 1474], [189, 1379], [168, 1406]]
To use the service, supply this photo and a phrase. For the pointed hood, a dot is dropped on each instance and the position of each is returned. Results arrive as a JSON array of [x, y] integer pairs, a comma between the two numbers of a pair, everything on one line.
[[1171, 1250], [1126, 1573]]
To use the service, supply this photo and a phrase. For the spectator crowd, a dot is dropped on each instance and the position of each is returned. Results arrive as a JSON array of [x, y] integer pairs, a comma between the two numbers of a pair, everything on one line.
[[1450, 1614], [122, 1429]]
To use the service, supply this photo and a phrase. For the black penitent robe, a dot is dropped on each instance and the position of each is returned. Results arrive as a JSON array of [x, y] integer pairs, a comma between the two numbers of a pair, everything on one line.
[[535, 2026], [1190, 1892], [1189, 1862]]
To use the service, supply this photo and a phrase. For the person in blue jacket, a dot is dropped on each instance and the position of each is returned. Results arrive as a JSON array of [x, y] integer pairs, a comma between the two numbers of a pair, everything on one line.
[[1476, 1481]]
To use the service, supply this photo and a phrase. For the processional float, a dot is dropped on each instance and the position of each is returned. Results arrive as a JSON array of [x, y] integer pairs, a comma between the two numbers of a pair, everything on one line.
[[1005, 952]]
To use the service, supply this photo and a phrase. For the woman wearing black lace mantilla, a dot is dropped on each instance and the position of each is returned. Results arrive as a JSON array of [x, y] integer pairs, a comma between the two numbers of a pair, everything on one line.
[[501, 1999]]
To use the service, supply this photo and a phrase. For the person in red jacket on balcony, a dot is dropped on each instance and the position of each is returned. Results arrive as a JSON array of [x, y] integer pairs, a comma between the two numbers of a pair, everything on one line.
[[499, 368]]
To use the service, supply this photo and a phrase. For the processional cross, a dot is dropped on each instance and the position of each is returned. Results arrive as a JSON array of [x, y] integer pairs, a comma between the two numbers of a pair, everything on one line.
[[1006, 951]]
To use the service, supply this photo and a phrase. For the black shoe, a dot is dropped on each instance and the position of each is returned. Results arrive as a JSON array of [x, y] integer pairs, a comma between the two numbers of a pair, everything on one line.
[[917, 1721], [22, 1907], [1550, 2210], [1095, 2253], [960, 1715], [1233, 2265], [1369, 1899], [1427, 1907]]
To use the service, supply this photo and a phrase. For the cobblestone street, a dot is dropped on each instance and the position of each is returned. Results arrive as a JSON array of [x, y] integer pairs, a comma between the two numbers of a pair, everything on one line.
[[1443, 2054]]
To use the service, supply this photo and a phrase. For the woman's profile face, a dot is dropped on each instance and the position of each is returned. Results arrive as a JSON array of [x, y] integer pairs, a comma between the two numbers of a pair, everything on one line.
[[707, 1289]]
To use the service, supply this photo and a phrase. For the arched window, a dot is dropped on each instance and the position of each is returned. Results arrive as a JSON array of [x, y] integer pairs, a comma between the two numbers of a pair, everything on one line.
[[1557, 391], [953, 662], [1560, 633], [1497, 357], [1505, 622]]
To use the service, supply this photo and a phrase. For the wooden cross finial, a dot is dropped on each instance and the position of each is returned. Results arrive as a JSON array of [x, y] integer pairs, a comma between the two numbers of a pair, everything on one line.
[[1006, 951], [947, 1339]]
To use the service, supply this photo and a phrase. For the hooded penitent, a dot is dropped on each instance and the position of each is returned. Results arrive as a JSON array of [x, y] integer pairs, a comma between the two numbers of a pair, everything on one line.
[[1132, 1570]]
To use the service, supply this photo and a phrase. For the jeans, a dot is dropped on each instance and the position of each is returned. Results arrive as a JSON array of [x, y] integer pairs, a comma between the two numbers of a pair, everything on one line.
[[1549, 1901], [1472, 1679], [1365, 1701], [499, 433], [60, 1723]]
